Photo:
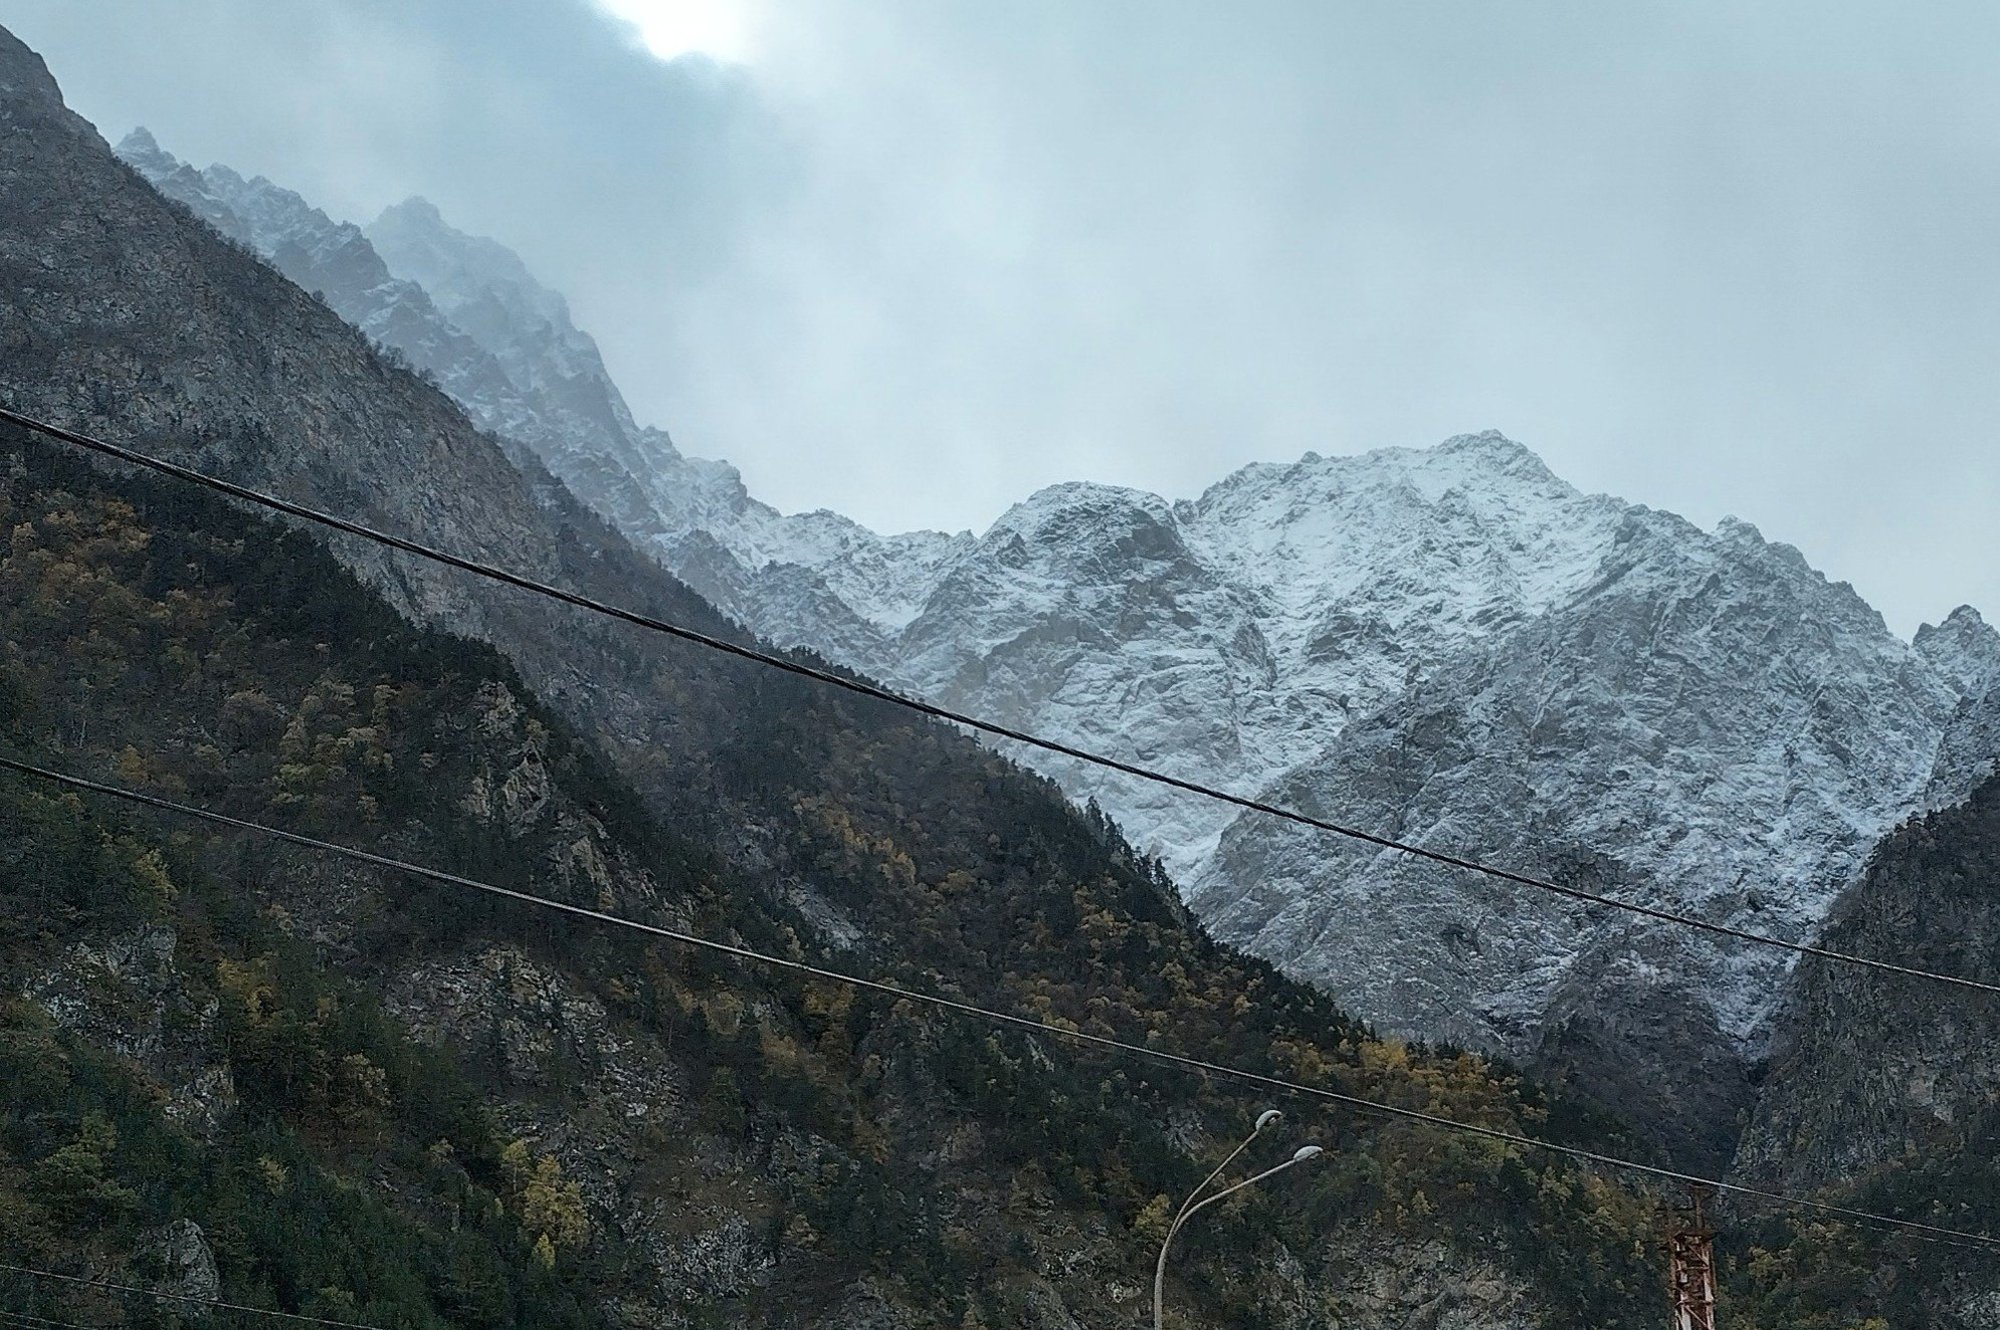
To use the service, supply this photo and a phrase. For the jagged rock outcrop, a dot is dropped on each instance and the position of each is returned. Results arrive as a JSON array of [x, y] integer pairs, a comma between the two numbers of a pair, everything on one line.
[[1873, 1069], [188, 1261], [1966, 649], [1451, 644], [127, 993], [468, 1138]]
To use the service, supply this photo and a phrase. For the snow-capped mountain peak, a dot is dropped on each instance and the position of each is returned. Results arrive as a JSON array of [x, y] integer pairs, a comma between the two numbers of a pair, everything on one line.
[[1965, 649], [1448, 644], [485, 289]]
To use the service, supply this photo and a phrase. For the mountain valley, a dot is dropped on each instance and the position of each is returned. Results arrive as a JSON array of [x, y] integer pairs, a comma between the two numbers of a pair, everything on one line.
[[492, 1119], [1449, 645]]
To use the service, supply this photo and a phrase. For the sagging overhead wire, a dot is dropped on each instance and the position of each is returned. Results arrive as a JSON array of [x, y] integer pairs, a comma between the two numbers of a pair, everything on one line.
[[14, 1320], [168, 1295], [918, 705], [1928, 1232]]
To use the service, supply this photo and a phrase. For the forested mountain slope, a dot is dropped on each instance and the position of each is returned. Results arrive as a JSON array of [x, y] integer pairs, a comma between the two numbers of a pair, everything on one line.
[[485, 1115], [1891, 1086], [1875, 1069], [479, 1115], [1452, 644], [379, 1102], [219, 1023]]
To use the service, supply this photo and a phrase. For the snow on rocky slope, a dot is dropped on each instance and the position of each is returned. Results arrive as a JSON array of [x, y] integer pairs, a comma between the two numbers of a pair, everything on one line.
[[466, 311], [335, 261], [1448, 644], [1705, 725], [1966, 649]]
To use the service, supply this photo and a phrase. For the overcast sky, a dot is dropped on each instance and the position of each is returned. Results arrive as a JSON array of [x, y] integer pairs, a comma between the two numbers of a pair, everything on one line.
[[912, 259]]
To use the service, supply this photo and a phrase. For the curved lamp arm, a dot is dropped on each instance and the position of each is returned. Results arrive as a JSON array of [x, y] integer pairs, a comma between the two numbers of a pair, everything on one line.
[[1264, 1119], [1304, 1153]]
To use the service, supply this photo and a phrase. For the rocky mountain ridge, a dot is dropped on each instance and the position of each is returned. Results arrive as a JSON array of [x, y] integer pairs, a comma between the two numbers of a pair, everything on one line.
[[1447, 644], [1870, 1068], [707, 1148], [800, 1156]]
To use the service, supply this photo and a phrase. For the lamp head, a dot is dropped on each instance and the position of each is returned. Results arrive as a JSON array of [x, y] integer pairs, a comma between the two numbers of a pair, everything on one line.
[[1267, 1117], [1306, 1152]]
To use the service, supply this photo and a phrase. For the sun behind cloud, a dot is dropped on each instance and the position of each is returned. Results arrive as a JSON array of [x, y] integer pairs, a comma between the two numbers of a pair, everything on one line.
[[719, 29]]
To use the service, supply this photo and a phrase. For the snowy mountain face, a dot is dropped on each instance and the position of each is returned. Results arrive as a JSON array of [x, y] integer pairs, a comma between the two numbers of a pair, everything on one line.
[[1455, 647], [466, 311], [1706, 726], [1449, 645], [335, 261], [1967, 650]]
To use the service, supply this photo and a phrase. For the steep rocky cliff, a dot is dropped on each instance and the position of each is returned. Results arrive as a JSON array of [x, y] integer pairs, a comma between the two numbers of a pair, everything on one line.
[[1887, 1089], [381, 1102], [1874, 1069], [1449, 644]]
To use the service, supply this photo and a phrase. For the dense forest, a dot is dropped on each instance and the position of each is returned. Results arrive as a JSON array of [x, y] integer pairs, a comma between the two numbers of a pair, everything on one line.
[[235, 1068], [483, 1114]]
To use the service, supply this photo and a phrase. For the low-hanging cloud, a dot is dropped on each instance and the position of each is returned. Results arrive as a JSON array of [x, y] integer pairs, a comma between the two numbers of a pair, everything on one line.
[[918, 257]]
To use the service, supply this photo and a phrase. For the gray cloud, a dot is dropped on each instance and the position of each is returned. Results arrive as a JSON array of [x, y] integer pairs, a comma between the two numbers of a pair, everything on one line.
[[926, 255]]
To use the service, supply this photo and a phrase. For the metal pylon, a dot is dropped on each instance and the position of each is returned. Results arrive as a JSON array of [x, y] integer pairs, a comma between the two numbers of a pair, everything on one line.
[[1691, 1257]]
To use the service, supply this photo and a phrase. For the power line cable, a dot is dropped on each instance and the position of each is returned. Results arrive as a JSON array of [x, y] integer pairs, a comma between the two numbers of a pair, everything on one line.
[[916, 704], [18, 1320], [167, 1295], [1920, 1229]]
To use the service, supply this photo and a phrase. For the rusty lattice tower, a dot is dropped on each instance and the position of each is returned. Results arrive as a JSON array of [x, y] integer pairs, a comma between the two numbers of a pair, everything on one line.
[[1691, 1271]]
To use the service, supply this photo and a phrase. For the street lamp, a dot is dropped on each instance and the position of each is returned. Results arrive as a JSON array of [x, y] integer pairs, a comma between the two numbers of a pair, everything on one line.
[[1191, 1204]]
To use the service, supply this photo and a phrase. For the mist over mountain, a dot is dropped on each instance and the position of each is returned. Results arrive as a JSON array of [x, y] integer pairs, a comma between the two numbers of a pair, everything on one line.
[[1451, 646], [301, 1084], [215, 1051]]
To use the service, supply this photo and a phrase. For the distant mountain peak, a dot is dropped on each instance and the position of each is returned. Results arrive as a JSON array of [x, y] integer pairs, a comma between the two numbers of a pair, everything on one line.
[[1095, 496], [416, 208], [1486, 442], [1964, 619], [1733, 528], [1964, 648], [141, 143], [1471, 464], [457, 265]]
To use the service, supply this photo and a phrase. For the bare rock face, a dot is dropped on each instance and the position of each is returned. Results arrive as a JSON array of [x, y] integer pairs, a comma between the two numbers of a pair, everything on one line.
[[30, 102], [1390, 1283], [1361, 1277], [533, 1030], [1873, 1068], [1975, 1311], [869, 1306], [189, 1264], [1450, 645], [127, 993]]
